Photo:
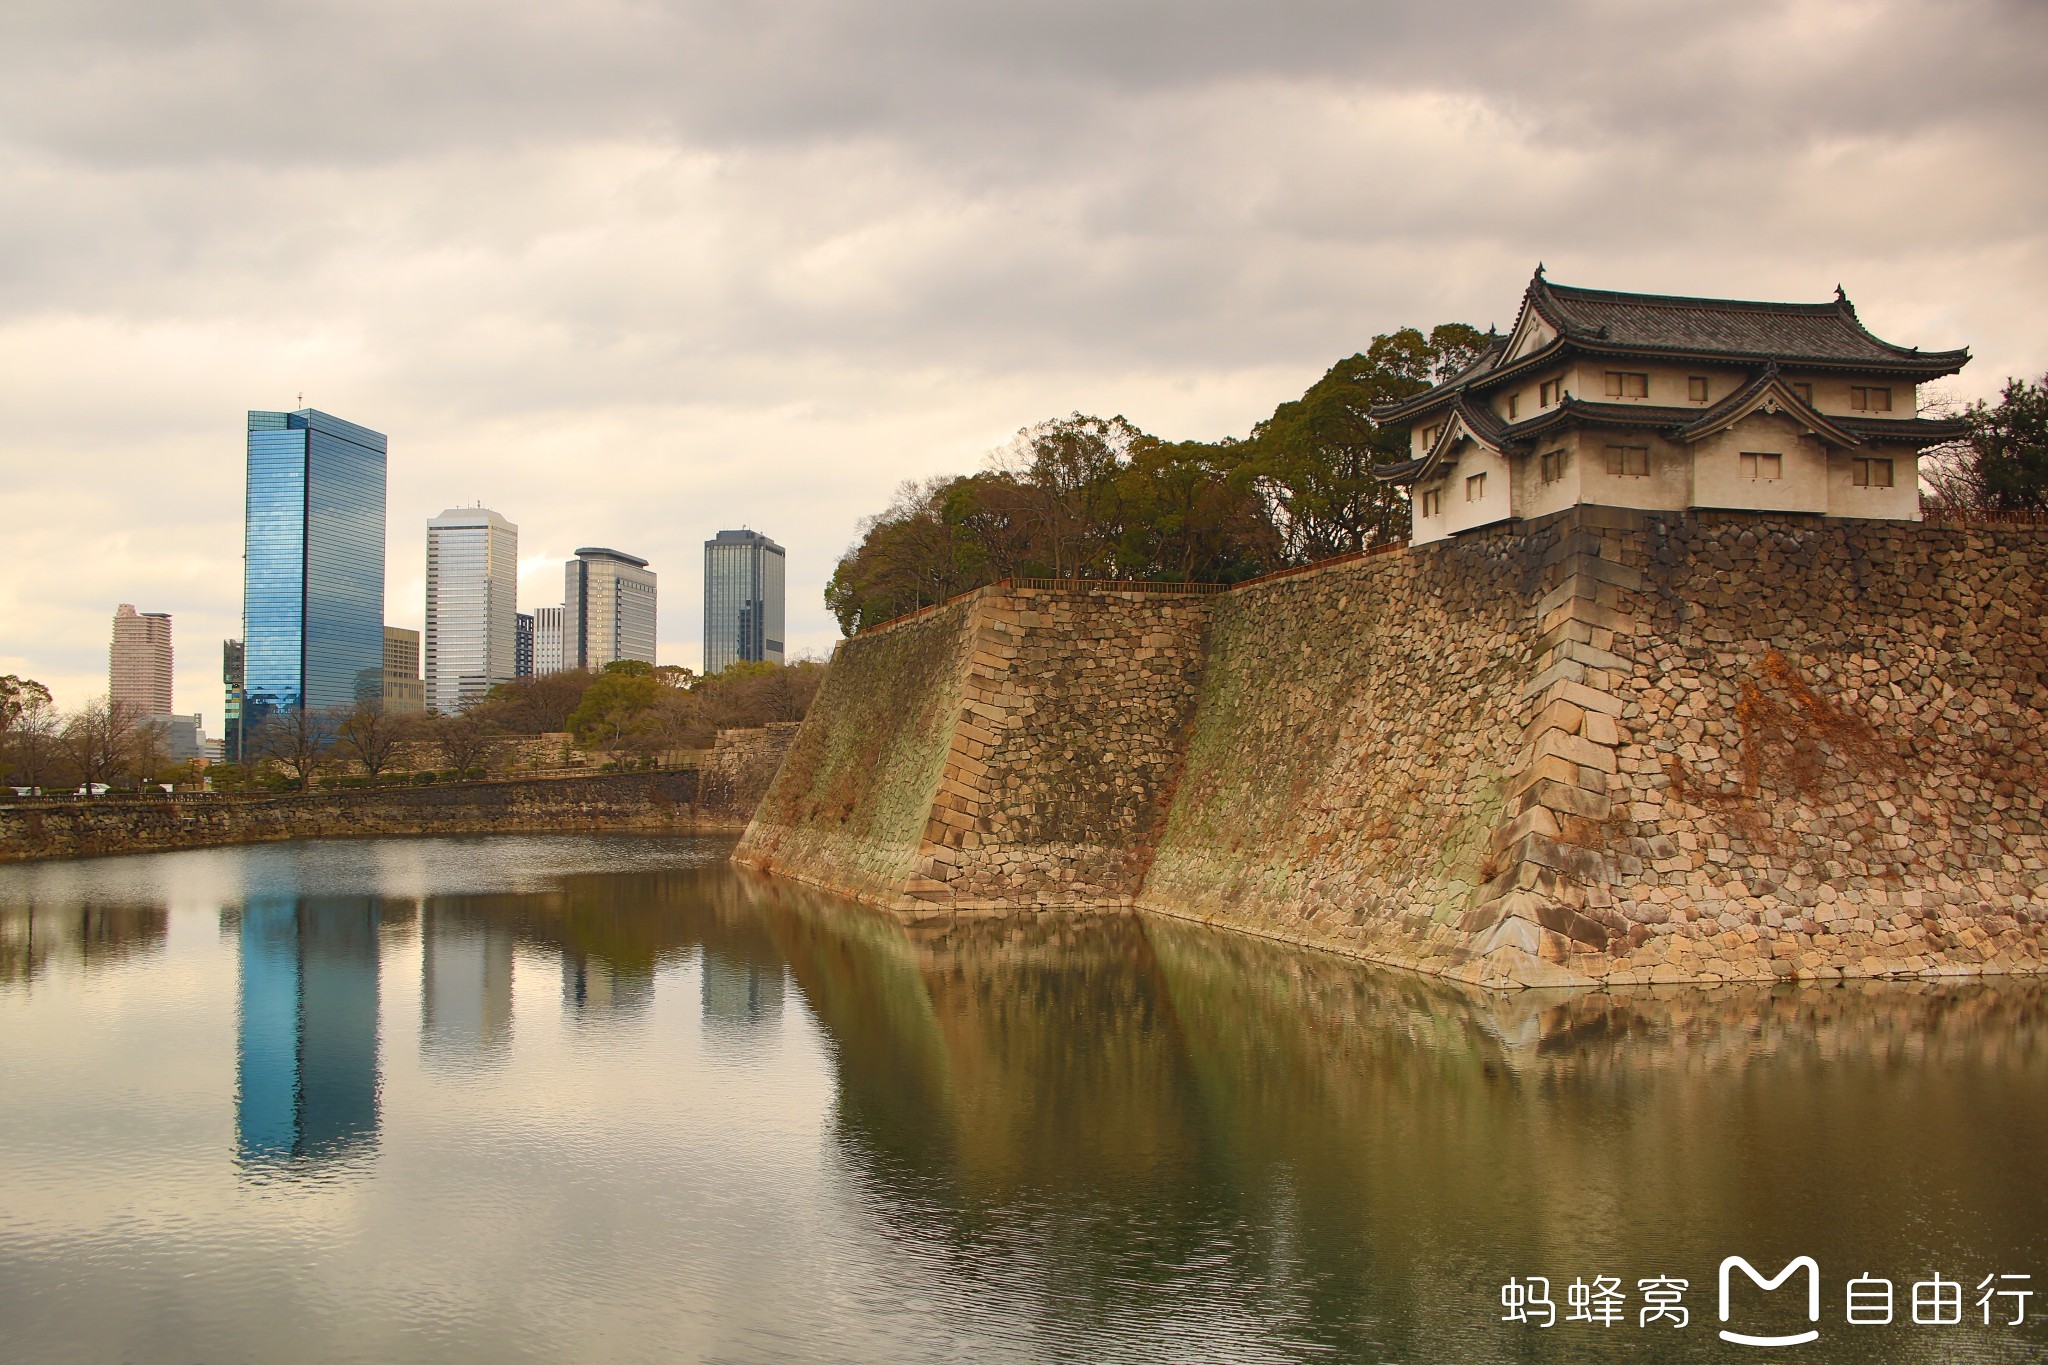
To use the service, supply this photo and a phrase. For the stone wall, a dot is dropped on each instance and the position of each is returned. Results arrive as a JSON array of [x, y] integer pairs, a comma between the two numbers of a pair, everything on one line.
[[849, 808], [1016, 748], [1357, 730], [1602, 746], [656, 801]]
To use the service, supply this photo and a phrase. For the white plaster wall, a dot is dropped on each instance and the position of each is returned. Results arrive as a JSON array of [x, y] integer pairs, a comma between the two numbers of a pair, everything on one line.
[[1831, 394], [1667, 487], [1901, 502], [1717, 468], [1497, 505], [1535, 498]]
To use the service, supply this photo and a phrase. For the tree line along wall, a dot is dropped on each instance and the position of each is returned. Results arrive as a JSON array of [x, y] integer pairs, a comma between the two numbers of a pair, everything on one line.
[[718, 796], [1602, 746]]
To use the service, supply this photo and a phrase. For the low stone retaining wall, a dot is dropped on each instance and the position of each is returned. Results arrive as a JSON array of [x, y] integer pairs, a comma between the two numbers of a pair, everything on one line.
[[649, 802]]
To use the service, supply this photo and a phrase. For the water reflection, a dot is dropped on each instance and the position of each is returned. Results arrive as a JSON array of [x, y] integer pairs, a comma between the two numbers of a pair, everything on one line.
[[1138, 1115], [465, 985], [856, 1137], [306, 1055], [34, 938]]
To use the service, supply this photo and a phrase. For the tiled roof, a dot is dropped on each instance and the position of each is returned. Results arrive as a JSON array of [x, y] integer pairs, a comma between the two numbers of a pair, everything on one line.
[[1820, 333], [1603, 321]]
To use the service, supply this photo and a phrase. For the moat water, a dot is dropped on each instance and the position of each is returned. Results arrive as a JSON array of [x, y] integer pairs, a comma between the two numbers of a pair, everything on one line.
[[567, 1099]]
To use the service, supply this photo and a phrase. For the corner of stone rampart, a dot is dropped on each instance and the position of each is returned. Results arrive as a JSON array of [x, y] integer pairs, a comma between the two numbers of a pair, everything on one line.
[[1545, 911]]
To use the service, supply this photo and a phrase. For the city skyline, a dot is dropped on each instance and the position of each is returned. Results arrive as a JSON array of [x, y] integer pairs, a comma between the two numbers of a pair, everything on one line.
[[772, 295]]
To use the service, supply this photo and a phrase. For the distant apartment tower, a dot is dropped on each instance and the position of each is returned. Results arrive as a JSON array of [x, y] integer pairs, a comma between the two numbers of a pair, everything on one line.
[[139, 663], [522, 645], [404, 693], [231, 706], [607, 609], [472, 584], [312, 564], [547, 640], [743, 573]]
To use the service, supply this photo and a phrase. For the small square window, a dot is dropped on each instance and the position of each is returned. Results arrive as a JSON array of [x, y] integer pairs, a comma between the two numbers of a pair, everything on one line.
[[1475, 488], [1762, 465], [1514, 406], [1550, 391], [1696, 388], [1432, 501], [1871, 472], [1429, 435], [1552, 464], [1621, 384], [1628, 461], [1803, 392], [1864, 398]]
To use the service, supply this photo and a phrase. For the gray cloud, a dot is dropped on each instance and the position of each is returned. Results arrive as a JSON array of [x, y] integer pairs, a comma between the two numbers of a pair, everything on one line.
[[633, 271]]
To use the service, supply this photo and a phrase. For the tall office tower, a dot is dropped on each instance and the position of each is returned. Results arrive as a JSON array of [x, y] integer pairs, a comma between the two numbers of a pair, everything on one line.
[[547, 640], [472, 584], [313, 563], [404, 693], [522, 646], [139, 664], [231, 709], [742, 600], [607, 609]]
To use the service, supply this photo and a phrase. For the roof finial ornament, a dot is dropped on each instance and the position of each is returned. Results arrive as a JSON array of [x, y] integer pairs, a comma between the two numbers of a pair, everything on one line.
[[1840, 297], [1539, 270]]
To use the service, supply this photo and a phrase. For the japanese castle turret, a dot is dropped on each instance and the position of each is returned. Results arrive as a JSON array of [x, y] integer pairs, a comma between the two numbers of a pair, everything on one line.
[[1649, 401]]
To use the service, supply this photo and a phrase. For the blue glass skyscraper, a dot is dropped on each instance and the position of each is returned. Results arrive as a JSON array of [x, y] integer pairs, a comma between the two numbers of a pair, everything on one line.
[[313, 563]]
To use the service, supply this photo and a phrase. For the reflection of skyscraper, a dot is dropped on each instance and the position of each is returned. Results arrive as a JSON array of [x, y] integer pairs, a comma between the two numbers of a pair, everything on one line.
[[740, 992], [307, 1055], [465, 985], [593, 986]]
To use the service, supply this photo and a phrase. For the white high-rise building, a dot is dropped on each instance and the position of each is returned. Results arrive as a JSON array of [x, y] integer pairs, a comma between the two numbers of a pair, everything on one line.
[[608, 609], [547, 640], [472, 589], [139, 663]]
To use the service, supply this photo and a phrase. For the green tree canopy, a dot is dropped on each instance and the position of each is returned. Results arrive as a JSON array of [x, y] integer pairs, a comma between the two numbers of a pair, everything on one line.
[[1095, 497]]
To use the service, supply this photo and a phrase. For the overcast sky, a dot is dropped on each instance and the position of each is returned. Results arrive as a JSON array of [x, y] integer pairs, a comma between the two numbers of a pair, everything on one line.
[[630, 272]]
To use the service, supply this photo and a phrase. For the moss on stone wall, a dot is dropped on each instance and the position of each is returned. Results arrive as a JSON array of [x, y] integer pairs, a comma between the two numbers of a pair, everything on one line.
[[850, 804], [1603, 746]]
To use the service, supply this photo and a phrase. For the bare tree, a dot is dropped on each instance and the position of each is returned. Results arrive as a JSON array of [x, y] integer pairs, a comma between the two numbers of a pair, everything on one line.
[[32, 740], [371, 735], [98, 739], [148, 750], [299, 739], [469, 740]]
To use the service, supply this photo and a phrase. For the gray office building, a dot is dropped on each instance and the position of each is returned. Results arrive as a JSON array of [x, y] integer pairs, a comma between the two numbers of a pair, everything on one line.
[[608, 609], [743, 572]]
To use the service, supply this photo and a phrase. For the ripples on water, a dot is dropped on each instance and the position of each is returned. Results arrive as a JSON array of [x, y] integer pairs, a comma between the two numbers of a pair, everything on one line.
[[609, 1099]]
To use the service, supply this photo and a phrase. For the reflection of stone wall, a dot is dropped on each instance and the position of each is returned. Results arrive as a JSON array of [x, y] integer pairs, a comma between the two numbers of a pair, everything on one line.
[[1601, 746], [657, 801]]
